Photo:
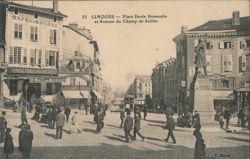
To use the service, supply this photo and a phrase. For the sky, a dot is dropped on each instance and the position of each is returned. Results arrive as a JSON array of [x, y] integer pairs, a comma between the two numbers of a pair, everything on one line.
[[128, 49]]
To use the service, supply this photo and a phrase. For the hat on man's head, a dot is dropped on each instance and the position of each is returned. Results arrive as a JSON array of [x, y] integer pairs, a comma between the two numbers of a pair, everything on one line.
[[3, 112]]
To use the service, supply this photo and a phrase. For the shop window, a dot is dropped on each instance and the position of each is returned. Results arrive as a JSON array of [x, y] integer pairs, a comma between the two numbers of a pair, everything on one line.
[[52, 37], [18, 33], [13, 86], [33, 33]]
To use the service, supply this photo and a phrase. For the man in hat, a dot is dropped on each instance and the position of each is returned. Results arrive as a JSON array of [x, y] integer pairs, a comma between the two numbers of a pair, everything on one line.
[[3, 126], [128, 125], [25, 141], [60, 119], [170, 126]]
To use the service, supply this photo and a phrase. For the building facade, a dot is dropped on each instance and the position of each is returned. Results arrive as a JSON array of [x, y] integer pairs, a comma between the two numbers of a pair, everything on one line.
[[227, 44], [164, 84], [30, 48]]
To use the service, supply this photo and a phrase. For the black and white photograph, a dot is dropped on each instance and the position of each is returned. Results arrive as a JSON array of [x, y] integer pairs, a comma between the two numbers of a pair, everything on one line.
[[124, 79]]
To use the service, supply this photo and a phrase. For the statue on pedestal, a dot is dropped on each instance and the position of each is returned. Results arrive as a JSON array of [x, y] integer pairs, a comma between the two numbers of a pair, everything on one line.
[[200, 57]]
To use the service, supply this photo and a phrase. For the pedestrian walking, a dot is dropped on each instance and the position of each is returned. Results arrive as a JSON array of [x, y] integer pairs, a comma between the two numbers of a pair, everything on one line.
[[60, 119], [169, 112], [145, 111], [3, 126], [23, 116], [196, 118], [67, 113], [74, 123], [137, 127], [227, 116], [50, 117], [8, 144], [170, 126], [241, 118], [128, 125], [25, 141], [99, 122], [199, 151], [54, 115], [122, 116]]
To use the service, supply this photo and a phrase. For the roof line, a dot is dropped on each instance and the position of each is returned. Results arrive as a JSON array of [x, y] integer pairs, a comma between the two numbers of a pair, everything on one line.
[[66, 26]]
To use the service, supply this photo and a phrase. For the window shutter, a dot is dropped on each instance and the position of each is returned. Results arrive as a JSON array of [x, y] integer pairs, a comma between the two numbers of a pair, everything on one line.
[[244, 61], [11, 55], [211, 45], [46, 58], [209, 60], [221, 45], [240, 64], [54, 36], [230, 63], [39, 57], [25, 55]]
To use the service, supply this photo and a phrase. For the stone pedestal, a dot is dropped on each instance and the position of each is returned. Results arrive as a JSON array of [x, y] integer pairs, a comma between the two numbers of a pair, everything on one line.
[[203, 100]]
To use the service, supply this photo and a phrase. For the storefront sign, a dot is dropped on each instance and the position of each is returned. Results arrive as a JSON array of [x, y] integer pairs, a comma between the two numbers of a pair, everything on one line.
[[19, 70], [34, 21], [46, 80]]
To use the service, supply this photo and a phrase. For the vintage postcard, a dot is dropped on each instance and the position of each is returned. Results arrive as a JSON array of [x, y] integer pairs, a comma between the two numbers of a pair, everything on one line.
[[134, 79]]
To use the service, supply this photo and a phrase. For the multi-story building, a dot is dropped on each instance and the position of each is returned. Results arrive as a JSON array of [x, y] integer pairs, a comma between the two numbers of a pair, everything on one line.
[[164, 83], [227, 44], [142, 87], [30, 48]]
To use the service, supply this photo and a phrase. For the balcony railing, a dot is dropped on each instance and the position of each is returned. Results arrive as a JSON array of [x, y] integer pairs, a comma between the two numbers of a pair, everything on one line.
[[75, 87]]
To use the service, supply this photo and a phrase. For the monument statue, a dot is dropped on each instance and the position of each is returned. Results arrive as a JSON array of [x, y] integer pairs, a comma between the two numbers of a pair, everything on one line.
[[200, 57]]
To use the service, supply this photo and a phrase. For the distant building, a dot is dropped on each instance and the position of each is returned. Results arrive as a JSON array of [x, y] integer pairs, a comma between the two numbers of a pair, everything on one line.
[[164, 84], [227, 48], [142, 86]]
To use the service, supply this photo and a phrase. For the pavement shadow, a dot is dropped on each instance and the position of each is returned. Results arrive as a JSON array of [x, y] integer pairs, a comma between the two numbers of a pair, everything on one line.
[[125, 151], [153, 138], [114, 126], [156, 121], [120, 136], [114, 138], [45, 126], [89, 130], [50, 135], [90, 122], [237, 139]]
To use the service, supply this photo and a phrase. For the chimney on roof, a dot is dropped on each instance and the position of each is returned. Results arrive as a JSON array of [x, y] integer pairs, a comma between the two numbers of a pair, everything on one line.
[[73, 25], [236, 18], [184, 29], [55, 6]]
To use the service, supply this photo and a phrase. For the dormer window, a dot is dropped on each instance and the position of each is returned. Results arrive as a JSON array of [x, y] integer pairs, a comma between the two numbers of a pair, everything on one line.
[[36, 15], [16, 11]]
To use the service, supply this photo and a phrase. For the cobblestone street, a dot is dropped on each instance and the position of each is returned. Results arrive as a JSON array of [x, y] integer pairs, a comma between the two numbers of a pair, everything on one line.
[[110, 142]]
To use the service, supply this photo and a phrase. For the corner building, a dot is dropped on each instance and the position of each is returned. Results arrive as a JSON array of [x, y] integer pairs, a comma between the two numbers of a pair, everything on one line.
[[30, 49], [227, 44]]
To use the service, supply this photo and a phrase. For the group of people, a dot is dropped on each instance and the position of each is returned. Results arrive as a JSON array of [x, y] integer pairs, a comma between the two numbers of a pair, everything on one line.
[[25, 138]]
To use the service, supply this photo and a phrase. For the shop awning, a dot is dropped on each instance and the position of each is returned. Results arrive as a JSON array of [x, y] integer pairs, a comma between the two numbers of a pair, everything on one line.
[[223, 95], [98, 95], [49, 98], [75, 94]]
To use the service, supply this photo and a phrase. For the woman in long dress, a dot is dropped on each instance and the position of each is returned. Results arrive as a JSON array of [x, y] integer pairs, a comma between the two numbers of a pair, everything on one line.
[[199, 151]]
